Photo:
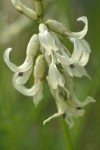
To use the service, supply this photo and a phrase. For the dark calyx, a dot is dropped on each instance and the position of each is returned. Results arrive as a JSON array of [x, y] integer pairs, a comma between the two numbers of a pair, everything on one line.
[[20, 74], [72, 66], [64, 115], [79, 108]]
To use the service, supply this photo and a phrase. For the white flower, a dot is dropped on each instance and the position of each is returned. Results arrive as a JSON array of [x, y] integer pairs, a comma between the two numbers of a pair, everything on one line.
[[62, 66], [22, 78], [76, 70], [73, 64], [23, 71], [25, 91], [81, 34], [22, 68], [80, 53], [55, 77], [46, 39], [79, 56], [68, 111], [36, 90], [31, 52], [62, 30], [68, 106]]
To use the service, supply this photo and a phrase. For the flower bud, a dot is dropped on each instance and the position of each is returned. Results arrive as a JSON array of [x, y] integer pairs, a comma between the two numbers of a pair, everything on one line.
[[39, 68], [56, 26], [33, 46], [39, 8]]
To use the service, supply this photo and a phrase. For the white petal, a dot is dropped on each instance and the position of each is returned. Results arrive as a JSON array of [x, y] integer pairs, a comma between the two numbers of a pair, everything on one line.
[[24, 78], [63, 59], [74, 72], [33, 46], [79, 113], [78, 48], [68, 69], [62, 49], [82, 33], [70, 122], [55, 76], [84, 60], [86, 45], [52, 77], [79, 56], [26, 65], [22, 68], [42, 28], [58, 43], [12, 66], [80, 53], [52, 117], [86, 53], [24, 90], [82, 103], [47, 41], [47, 58], [67, 91], [82, 71], [77, 71], [39, 95]]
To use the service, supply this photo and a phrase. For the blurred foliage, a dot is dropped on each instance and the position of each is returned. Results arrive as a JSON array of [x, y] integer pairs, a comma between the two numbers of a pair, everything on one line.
[[20, 122]]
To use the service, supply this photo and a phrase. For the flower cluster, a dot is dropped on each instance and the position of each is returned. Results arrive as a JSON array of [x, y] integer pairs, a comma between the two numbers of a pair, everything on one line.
[[57, 65]]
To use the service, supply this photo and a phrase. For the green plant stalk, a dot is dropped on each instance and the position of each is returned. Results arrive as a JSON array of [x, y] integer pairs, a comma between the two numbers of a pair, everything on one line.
[[39, 8], [69, 145]]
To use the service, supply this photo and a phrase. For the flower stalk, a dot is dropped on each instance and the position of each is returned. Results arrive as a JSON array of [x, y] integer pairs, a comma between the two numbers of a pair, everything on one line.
[[69, 145]]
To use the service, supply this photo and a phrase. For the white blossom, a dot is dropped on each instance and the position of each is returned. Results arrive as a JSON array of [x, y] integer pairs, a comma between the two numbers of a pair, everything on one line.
[[36, 90], [22, 78], [70, 107], [56, 64], [22, 68], [46, 39], [81, 34], [23, 71], [62, 30], [55, 77]]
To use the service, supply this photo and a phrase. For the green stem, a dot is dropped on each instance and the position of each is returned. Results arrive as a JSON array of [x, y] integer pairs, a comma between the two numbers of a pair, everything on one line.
[[69, 145], [39, 8]]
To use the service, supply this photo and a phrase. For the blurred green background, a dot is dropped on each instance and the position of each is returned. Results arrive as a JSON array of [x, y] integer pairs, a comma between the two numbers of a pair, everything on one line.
[[20, 122]]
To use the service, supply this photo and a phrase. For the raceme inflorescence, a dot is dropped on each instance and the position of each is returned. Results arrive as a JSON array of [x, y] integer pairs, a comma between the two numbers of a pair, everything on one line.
[[56, 64]]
